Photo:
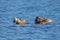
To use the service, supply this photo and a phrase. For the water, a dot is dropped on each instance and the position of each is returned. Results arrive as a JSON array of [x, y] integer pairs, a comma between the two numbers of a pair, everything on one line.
[[29, 9]]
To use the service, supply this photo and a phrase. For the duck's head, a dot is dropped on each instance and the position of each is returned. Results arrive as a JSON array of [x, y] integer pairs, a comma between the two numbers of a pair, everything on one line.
[[16, 19], [37, 17]]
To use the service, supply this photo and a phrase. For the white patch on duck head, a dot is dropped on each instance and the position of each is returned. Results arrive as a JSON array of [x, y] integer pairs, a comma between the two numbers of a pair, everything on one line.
[[16, 18]]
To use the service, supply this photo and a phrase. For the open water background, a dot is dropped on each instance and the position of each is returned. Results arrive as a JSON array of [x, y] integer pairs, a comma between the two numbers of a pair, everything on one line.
[[29, 9]]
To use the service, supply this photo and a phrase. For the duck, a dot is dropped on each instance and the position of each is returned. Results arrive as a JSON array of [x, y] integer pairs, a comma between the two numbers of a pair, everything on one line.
[[40, 20], [19, 21]]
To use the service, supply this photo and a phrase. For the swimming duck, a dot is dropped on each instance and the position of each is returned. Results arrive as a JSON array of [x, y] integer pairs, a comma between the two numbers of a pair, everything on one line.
[[39, 20], [19, 21]]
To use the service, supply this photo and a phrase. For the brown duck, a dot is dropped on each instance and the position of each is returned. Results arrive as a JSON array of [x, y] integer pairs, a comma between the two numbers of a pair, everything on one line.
[[39, 20], [19, 21]]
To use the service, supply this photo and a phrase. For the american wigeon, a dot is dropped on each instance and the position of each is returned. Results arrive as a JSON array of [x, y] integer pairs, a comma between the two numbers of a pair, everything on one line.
[[39, 20], [19, 21]]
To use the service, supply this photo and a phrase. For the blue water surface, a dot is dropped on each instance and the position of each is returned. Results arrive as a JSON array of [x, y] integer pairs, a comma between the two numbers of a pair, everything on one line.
[[29, 9]]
